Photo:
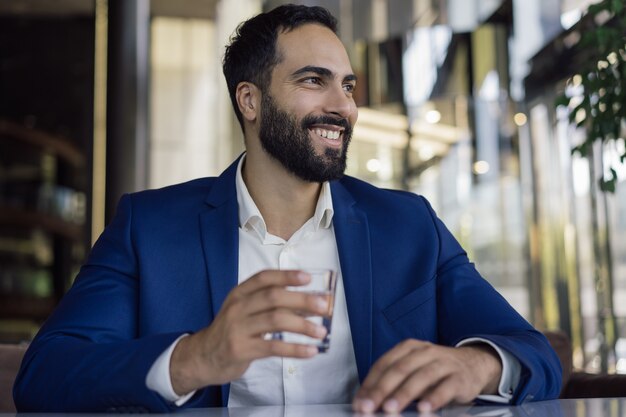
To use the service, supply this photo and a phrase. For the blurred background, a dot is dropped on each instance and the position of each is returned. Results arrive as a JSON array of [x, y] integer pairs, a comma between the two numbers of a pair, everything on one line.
[[457, 102]]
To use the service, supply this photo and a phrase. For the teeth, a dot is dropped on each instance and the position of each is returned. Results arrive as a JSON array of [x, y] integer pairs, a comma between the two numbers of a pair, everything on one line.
[[328, 134]]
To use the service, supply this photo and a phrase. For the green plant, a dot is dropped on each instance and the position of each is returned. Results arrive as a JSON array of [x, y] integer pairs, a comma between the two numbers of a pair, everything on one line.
[[601, 107]]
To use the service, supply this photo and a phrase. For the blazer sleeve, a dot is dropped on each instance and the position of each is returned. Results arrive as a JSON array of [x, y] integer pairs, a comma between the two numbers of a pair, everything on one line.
[[88, 356], [468, 306]]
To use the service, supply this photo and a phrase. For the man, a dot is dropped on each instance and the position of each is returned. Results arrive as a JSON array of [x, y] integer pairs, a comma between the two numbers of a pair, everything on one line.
[[156, 321]]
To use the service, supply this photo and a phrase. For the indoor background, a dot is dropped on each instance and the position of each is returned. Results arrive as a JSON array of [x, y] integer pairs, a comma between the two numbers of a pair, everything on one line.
[[456, 102]]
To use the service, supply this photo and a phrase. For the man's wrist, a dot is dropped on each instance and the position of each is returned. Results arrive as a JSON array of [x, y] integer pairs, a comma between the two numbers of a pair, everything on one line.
[[511, 371], [184, 368], [486, 361], [158, 378]]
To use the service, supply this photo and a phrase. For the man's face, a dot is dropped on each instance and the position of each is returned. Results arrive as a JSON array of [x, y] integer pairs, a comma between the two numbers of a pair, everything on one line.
[[308, 112], [288, 140]]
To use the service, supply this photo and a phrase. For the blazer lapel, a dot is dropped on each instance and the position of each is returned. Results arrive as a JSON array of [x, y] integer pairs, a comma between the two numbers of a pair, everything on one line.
[[220, 242], [353, 243]]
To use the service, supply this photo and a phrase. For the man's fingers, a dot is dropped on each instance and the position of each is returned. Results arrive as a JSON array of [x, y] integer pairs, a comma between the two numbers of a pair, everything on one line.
[[389, 372], [267, 348], [444, 393], [271, 298], [406, 382], [436, 375], [411, 374], [414, 386], [271, 278], [386, 361], [282, 320]]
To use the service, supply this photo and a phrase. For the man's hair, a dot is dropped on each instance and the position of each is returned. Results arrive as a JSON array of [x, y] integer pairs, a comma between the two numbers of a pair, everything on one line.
[[251, 55]]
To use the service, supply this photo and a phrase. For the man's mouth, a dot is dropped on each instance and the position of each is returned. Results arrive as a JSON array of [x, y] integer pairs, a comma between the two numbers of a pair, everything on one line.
[[331, 133]]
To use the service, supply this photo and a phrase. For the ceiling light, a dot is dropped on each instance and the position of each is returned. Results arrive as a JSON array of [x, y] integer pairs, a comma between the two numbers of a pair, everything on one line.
[[373, 165], [432, 116], [426, 152], [481, 167], [520, 119]]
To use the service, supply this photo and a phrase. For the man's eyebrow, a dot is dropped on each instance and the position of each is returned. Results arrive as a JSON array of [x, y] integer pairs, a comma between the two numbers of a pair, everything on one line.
[[321, 71]]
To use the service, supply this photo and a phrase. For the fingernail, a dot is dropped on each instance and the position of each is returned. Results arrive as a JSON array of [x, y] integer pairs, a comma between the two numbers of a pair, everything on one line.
[[424, 407], [312, 350], [366, 405], [390, 406], [322, 303], [303, 277], [320, 331]]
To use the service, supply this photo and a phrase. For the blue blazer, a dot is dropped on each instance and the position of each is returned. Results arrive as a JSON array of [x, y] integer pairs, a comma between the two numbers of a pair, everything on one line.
[[166, 262]]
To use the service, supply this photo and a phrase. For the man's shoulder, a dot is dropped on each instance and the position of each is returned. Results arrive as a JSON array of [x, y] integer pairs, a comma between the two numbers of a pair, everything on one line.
[[183, 196], [366, 193], [389, 210], [192, 187]]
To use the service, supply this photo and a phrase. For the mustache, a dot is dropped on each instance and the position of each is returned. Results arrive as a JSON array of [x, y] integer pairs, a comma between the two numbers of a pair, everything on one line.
[[310, 120]]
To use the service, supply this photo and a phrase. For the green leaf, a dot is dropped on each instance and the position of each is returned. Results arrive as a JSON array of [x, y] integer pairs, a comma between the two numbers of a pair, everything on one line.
[[582, 106], [607, 127], [589, 39], [603, 38], [607, 185], [616, 129], [594, 9], [561, 100], [583, 149], [617, 6], [612, 32], [603, 89]]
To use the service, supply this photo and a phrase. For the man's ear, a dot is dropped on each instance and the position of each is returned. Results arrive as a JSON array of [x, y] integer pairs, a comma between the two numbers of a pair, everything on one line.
[[248, 100]]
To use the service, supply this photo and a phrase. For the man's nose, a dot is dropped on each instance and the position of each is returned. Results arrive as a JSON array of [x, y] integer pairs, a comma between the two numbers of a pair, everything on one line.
[[340, 103]]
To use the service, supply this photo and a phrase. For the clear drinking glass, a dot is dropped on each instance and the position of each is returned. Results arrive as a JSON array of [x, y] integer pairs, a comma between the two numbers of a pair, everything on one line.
[[324, 283]]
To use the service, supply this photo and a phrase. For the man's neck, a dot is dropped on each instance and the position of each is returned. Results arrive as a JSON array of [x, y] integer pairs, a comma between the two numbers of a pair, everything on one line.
[[285, 201]]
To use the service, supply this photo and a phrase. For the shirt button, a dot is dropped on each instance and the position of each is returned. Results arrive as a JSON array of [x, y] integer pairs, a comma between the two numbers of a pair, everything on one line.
[[291, 370]]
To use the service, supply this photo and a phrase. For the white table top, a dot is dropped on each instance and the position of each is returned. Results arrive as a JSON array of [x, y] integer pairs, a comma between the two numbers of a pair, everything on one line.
[[593, 407]]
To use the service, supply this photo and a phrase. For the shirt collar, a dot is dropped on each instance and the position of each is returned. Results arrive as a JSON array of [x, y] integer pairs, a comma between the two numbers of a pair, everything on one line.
[[251, 218]]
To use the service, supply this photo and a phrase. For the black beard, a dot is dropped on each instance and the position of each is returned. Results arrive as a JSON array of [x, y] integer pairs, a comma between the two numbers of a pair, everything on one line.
[[289, 143]]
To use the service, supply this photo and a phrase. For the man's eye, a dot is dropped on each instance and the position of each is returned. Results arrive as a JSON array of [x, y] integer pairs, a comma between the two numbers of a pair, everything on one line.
[[312, 80], [349, 87]]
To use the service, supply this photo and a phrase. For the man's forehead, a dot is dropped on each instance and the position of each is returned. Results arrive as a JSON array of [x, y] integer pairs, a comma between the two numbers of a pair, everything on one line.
[[313, 45]]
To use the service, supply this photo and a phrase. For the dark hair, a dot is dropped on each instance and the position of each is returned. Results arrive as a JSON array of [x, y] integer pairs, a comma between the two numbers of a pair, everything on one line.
[[251, 54]]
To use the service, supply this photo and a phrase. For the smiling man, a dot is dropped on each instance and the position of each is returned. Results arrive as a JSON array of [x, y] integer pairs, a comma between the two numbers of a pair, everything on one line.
[[173, 307]]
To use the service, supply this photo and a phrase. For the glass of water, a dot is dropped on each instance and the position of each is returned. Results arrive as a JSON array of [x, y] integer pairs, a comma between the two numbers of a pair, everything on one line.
[[323, 283]]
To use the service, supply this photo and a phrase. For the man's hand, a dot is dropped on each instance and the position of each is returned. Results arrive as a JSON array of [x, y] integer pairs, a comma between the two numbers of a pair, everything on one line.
[[436, 375], [223, 351]]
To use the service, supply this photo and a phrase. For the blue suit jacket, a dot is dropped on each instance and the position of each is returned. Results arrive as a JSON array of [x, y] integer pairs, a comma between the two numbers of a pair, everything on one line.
[[169, 258]]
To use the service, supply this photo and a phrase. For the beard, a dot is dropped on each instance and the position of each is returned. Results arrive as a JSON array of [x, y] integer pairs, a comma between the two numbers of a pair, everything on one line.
[[289, 142]]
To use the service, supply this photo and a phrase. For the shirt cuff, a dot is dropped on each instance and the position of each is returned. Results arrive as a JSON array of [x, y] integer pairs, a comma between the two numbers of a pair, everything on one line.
[[511, 369], [160, 380]]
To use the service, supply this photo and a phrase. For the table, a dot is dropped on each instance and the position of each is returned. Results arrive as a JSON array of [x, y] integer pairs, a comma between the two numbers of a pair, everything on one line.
[[593, 407]]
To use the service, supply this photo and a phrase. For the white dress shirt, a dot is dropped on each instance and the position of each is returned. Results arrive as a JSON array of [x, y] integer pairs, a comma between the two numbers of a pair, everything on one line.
[[327, 378]]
